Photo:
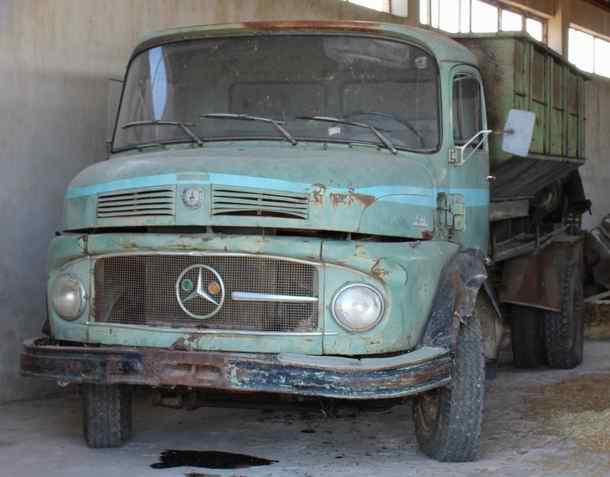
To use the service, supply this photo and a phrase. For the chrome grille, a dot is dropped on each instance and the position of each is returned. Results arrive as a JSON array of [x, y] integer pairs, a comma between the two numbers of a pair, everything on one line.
[[141, 290], [243, 201], [149, 202]]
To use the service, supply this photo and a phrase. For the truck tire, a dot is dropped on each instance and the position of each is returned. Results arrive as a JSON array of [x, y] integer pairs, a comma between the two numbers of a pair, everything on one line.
[[448, 420], [527, 337], [106, 415], [564, 330]]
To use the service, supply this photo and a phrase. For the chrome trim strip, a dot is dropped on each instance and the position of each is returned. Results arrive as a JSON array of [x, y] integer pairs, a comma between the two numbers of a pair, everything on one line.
[[269, 297], [191, 331]]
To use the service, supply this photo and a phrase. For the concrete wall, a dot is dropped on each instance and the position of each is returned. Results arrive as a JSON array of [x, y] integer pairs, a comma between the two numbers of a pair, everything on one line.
[[55, 59], [596, 172]]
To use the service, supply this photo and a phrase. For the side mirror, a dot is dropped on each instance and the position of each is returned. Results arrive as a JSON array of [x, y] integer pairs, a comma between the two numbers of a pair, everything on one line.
[[518, 132]]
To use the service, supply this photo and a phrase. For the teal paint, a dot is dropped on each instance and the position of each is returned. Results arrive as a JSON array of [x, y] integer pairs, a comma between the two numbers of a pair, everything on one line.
[[351, 189], [409, 194], [406, 274]]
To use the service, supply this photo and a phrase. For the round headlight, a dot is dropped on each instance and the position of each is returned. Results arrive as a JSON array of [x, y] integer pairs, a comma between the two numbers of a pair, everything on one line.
[[358, 307], [68, 297]]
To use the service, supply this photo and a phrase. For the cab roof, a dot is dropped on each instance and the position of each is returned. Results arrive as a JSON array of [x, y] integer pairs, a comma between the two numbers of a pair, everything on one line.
[[443, 47]]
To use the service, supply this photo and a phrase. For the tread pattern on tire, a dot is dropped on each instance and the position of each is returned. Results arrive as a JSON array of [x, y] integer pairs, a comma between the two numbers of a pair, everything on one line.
[[107, 415], [564, 337], [457, 433]]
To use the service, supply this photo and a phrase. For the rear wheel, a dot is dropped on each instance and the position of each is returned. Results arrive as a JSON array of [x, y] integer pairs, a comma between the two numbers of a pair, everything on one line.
[[564, 330], [106, 414], [448, 420], [527, 336]]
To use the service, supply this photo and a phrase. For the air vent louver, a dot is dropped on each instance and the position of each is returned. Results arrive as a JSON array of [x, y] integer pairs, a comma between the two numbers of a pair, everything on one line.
[[259, 203], [149, 202]]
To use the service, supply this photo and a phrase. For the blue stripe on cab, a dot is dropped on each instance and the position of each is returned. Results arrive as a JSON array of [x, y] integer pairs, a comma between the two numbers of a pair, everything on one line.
[[420, 196]]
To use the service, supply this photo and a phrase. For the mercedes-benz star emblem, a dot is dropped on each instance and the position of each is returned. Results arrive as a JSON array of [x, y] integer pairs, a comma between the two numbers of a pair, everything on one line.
[[200, 291]]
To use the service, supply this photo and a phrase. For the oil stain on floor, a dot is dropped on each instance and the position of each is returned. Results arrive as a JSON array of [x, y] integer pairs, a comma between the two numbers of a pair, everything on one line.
[[208, 459]]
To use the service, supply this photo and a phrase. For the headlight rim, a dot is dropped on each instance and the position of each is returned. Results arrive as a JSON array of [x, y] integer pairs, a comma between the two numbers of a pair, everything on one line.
[[347, 286], [83, 295]]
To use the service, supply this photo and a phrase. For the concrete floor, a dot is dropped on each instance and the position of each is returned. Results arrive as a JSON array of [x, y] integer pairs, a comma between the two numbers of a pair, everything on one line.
[[43, 437]]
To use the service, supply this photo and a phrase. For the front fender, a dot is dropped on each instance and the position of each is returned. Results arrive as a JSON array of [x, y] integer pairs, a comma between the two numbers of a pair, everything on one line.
[[455, 298]]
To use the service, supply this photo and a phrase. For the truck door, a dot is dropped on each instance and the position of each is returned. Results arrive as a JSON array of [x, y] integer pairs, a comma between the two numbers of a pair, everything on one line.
[[468, 198]]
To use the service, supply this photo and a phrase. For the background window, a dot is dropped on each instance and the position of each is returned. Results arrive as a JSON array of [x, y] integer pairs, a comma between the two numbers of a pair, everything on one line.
[[602, 57], [424, 12], [535, 29], [465, 16], [484, 17], [449, 17], [381, 5], [581, 50], [511, 21], [477, 16], [467, 117]]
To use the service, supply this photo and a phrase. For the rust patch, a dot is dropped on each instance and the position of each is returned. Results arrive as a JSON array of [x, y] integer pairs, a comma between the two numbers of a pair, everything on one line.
[[318, 194], [313, 25], [426, 235], [350, 198], [378, 272], [249, 372], [179, 345], [185, 344]]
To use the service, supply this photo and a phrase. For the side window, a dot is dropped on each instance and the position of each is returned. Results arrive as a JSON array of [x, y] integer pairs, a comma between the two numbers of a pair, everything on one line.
[[467, 114]]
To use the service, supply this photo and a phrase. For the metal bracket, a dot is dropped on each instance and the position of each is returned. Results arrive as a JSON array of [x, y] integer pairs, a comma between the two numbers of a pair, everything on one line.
[[452, 211], [456, 154]]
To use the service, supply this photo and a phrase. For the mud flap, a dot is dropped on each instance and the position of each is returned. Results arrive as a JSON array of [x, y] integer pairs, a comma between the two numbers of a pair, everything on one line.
[[534, 280], [455, 298]]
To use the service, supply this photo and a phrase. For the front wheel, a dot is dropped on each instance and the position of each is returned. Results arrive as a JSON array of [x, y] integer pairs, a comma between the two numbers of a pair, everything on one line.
[[106, 414], [448, 420]]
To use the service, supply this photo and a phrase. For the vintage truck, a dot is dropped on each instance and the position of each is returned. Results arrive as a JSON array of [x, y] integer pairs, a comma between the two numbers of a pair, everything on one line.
[[308, 209]]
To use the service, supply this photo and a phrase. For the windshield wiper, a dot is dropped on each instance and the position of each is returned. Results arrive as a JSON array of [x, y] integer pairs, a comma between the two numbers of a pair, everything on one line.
[[384, 140], [184, 126], [247, 117]]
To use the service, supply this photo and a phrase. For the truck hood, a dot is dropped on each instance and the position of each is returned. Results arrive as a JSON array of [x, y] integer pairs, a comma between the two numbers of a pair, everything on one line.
[[357, 189]]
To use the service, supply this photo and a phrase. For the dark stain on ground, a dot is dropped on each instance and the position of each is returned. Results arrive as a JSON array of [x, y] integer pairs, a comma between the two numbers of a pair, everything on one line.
[[209, 459], [198, 474], [308, 431]]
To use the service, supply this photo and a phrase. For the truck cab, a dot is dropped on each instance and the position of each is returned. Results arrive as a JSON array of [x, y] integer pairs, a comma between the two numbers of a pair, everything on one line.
[[282, 212]]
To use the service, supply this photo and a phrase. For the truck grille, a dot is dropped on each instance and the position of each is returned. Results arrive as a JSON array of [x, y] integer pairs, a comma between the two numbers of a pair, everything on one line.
[[141, 290], [253, 202], [149, 202]]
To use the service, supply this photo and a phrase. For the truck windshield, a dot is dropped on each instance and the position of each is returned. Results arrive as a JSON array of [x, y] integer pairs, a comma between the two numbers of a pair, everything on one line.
[[388, 85]]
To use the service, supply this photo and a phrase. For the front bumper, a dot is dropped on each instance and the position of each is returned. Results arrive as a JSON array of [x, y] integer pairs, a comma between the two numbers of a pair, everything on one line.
[[324, 376]]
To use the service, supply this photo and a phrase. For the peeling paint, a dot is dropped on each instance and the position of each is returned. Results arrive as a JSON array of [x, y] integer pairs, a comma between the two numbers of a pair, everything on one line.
[[350, 198], [427, 235], [318, 194], [378, 272]]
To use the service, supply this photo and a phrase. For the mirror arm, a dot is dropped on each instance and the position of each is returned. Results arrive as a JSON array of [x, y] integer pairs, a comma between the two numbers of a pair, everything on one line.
[[461, 161]]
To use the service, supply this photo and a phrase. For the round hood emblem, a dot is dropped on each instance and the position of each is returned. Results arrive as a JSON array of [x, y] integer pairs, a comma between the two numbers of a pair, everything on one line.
[[200, 291]]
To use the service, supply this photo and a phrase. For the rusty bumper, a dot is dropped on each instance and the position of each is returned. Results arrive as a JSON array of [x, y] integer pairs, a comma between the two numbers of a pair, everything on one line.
[[325, 376]]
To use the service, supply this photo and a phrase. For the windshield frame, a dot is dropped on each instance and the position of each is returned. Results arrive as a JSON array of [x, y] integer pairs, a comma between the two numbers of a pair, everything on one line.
[[388, 36]]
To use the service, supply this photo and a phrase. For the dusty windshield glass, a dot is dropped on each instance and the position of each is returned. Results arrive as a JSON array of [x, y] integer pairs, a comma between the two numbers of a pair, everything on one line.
[[389, 85]]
